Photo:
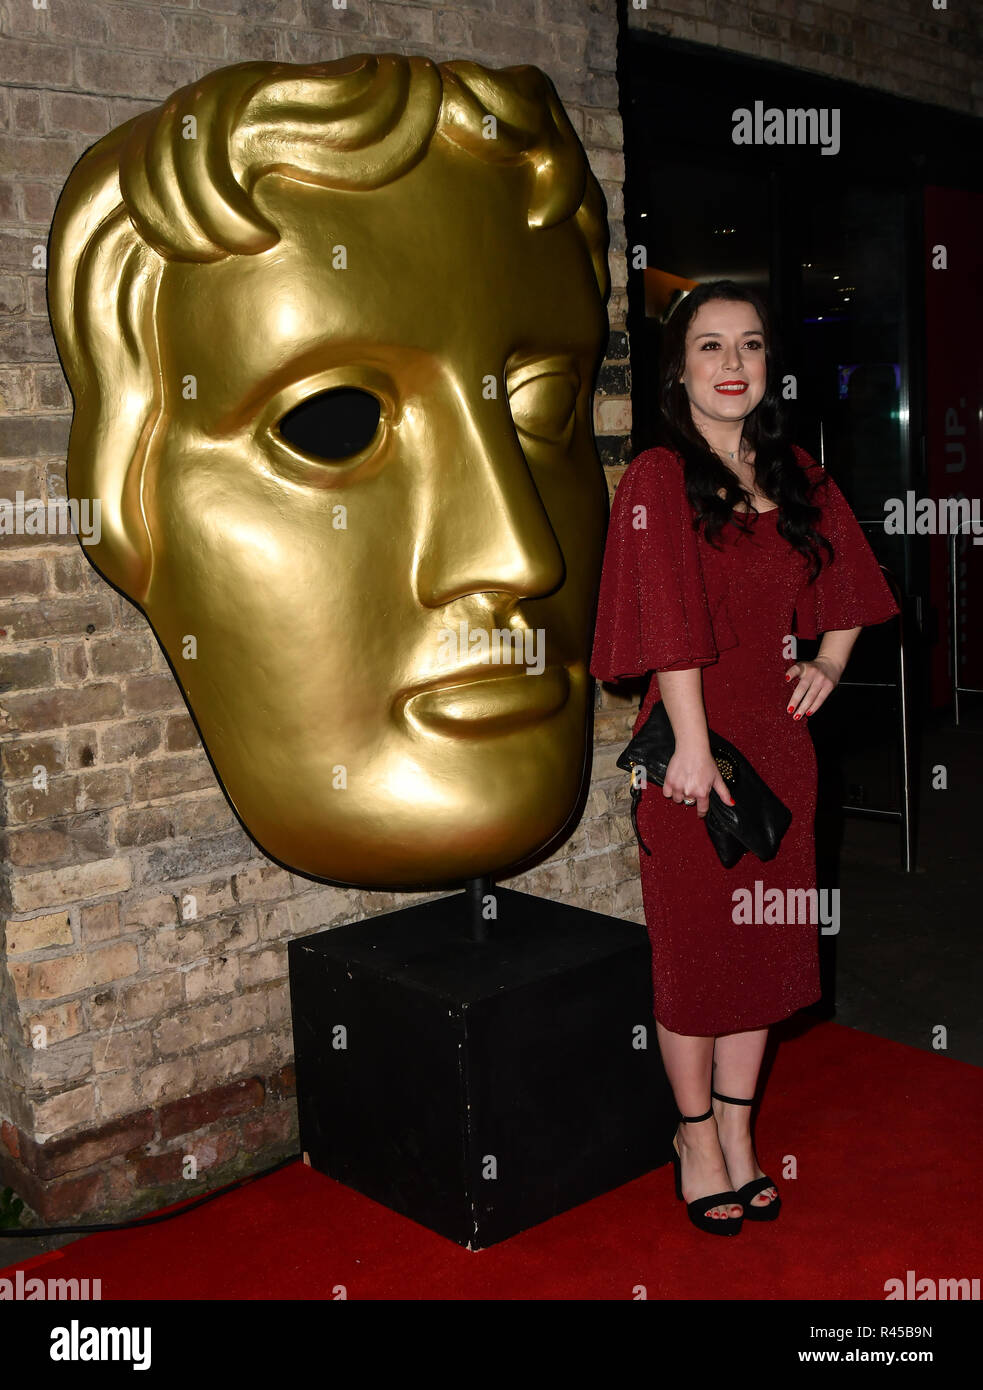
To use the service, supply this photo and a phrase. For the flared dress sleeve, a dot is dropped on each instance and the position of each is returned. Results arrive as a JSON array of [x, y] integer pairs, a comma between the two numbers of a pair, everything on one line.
[[850, 591], [653, 613]]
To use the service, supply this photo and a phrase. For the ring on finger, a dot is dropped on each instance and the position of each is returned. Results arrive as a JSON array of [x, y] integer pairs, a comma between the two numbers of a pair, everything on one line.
[[689, 800]]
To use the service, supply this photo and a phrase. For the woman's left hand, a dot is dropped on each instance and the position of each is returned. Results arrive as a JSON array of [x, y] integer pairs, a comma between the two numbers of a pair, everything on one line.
[[817, 678]]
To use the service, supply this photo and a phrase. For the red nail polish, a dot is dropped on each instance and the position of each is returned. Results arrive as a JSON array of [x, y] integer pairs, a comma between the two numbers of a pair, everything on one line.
[[796, 716], [790, 708]]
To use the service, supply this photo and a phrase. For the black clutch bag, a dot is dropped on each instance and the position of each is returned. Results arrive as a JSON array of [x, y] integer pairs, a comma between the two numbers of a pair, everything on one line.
[[757, 820]]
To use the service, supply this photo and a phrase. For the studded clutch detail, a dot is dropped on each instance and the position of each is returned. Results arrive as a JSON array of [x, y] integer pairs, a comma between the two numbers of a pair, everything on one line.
[[757, 820]]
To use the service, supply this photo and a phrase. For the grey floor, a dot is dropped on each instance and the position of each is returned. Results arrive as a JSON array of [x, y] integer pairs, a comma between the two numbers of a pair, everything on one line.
[[908, 956], [909, 953]]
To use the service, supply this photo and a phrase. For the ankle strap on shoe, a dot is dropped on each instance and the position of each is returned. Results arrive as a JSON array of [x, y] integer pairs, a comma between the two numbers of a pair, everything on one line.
[[733, 1100], [694, 1119]]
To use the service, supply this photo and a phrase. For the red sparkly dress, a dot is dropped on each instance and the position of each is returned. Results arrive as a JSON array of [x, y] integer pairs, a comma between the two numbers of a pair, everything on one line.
[[670, 600]]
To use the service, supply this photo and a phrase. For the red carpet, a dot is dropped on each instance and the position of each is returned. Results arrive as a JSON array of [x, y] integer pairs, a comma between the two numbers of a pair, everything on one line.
[[887, 1140]]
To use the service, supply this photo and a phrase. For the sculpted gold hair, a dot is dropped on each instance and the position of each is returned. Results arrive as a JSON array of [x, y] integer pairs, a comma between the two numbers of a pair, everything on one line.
[[331, 334]]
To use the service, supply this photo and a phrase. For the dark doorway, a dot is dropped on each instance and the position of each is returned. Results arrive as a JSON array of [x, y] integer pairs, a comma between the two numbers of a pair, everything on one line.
[[834, 239]]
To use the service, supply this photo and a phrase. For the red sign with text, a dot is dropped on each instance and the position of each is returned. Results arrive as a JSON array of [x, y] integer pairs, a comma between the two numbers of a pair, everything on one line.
[[954, 425]]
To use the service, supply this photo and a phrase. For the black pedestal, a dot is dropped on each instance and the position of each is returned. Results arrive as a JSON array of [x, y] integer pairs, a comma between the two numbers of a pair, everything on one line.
[[479, 1087]]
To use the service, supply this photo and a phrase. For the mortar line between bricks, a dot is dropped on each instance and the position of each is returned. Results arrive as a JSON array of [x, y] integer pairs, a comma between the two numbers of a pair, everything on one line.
[[131, 96], [72, 92]]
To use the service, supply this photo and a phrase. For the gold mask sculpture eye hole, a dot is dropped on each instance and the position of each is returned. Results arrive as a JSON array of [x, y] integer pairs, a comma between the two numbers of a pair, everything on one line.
[[332, 425]]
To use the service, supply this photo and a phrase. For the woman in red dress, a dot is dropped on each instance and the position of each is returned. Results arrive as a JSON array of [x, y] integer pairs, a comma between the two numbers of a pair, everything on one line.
[[722, 548]]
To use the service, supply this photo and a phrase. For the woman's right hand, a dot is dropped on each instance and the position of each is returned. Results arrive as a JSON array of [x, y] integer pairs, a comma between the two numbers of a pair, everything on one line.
[[691, 775]]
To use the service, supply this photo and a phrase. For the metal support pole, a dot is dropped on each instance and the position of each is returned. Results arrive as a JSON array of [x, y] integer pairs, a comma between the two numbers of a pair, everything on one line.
[[477, 889], [904, 814]]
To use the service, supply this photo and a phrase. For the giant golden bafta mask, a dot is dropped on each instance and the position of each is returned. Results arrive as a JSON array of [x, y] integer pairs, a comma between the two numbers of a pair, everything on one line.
[[331, 333]]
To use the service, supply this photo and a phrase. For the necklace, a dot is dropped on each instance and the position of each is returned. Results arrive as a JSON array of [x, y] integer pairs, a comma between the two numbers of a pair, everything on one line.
[[750, 484], [741, 463]]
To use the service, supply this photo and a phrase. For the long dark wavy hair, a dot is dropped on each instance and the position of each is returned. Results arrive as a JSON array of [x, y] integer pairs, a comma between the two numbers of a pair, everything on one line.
[[778, 474]]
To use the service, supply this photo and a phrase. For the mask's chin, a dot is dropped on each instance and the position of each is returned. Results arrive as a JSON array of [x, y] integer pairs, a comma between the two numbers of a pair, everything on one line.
[[492, 810]]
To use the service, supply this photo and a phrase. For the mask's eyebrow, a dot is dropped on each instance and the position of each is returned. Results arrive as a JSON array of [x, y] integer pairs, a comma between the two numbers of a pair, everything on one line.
[[359, 365], [328, 363], [545, 364]]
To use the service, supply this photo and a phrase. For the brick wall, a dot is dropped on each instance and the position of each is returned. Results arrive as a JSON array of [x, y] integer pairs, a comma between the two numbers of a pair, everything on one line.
[[144, 937], [905, 47], [143, 932]]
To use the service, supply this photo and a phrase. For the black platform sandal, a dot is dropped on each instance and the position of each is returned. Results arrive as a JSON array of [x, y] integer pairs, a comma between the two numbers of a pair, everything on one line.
[[698, 1208], [751, 1189]]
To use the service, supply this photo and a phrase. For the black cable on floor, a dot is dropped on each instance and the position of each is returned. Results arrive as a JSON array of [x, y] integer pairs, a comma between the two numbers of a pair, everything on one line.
[[150, 1220]]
